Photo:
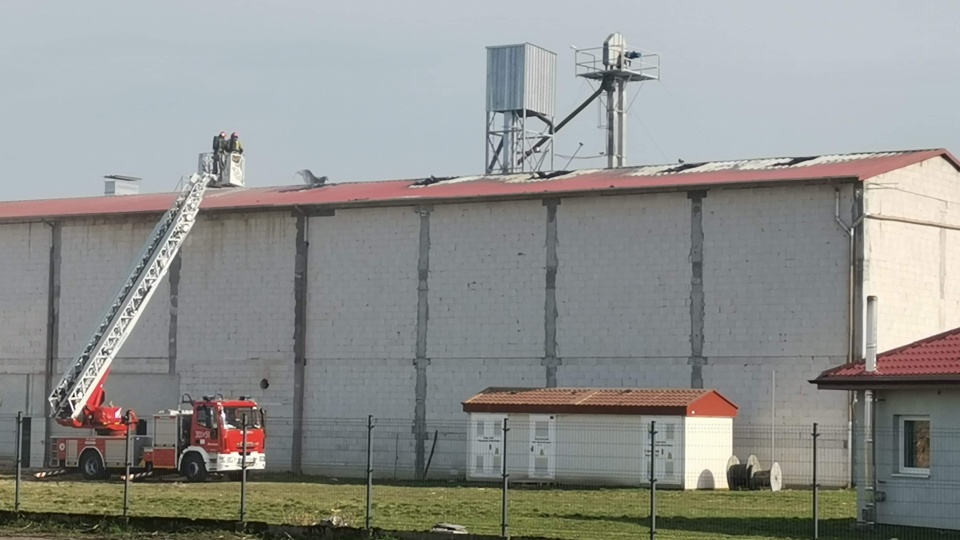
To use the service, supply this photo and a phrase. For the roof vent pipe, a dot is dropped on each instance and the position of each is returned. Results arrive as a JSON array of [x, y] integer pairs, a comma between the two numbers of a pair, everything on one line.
[[118, 184], [871, 361]]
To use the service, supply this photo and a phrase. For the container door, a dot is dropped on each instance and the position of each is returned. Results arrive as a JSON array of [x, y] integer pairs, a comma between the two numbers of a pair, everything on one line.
[[667, 445], [487, 446], [542, 446]]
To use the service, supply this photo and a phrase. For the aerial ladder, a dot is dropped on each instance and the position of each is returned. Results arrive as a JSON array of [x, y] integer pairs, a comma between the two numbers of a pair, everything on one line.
[[212, 434], [77, 401]]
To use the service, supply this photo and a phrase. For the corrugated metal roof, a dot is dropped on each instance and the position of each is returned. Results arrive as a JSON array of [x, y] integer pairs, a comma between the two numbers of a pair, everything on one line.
[[672, 401], [415, 191], [936, 358]]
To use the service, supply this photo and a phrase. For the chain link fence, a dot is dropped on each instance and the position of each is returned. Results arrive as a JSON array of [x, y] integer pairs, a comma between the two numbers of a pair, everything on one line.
[[613, 477]]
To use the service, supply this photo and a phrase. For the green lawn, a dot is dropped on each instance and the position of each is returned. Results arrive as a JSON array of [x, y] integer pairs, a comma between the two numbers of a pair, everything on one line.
[[558, 513]]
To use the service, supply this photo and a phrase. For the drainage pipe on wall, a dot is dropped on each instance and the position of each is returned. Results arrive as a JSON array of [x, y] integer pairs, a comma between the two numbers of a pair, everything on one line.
[[851, 309], [869, 479]]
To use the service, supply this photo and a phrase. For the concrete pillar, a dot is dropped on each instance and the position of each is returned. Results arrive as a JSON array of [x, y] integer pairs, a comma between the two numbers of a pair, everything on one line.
[[53, 330], [697, 302], [421, 361], [550, 360], [299, 340]]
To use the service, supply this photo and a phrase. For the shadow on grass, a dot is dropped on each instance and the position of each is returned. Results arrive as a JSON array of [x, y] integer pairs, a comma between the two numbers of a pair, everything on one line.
[[773, 527]]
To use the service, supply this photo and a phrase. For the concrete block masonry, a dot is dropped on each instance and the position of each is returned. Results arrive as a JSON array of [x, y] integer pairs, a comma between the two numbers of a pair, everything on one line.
[[24, 264], [95, 261], [911, 260]]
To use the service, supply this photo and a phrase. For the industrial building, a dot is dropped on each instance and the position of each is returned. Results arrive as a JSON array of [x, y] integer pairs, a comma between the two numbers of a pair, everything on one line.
[[402, 299], [329, 302]]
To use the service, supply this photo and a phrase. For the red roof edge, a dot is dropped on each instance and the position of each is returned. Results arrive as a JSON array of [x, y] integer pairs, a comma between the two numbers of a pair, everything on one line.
[[907, 159], [708, 404], [829, 376], [715, 400], [623, 410]]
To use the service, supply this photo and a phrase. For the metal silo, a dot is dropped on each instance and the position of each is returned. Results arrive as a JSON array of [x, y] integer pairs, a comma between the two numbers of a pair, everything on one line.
[[521, 98]]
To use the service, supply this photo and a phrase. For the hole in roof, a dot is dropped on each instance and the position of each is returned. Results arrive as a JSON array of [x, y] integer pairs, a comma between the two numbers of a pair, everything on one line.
[[432, 180], [681, 168], [552, 174], [795, 161]]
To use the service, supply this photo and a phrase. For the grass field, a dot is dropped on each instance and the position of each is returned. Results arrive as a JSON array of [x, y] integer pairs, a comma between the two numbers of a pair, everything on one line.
[[557, 513]]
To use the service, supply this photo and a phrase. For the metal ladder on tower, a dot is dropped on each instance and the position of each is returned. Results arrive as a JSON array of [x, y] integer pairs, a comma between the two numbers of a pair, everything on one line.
[[82, 378]]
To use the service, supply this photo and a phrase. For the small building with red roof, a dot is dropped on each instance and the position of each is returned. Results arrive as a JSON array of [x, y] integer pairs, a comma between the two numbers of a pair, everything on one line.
[[914, 425], [601, 436]]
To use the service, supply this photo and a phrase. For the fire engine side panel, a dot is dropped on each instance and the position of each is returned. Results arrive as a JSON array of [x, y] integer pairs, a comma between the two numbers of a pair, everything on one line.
[[164, 458], [72, 455], [111, 449], [113, 452], [165, 431]]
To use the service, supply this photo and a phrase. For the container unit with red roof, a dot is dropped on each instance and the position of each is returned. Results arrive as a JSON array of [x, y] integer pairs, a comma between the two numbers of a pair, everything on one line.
[[915, 430], [596, 436]]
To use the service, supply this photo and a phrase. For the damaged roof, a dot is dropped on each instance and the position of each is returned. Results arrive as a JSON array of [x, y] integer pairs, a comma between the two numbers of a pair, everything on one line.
[[849, 167]]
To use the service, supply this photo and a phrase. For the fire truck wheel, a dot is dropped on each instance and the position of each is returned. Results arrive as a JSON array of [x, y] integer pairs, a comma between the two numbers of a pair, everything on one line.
[[194, 468], [91, 466]]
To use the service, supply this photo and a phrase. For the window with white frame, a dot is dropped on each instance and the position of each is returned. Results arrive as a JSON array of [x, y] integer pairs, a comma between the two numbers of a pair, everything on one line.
[[914, 444]]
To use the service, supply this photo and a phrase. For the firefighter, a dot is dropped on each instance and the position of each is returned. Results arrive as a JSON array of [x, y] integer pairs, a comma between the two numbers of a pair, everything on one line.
[[219, 148], [234, 144]]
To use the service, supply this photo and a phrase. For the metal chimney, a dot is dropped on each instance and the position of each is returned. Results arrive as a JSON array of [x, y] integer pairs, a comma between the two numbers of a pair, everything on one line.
[[871, 360], [117, 184]]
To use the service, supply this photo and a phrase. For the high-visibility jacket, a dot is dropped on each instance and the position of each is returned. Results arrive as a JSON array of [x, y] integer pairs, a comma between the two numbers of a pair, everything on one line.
[[234, 145]]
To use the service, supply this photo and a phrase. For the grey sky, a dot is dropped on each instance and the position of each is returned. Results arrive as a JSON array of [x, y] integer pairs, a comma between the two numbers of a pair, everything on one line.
[[382, 90]]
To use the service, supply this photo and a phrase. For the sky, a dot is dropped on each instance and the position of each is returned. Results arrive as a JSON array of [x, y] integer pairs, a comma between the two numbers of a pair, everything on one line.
[[360, 91]]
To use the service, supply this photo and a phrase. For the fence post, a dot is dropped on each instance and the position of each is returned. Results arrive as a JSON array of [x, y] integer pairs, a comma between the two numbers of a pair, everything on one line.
[[653, 480], [506, 483], [243, 472], [19, 461], [126, 465], [816, 487], [369, 472]]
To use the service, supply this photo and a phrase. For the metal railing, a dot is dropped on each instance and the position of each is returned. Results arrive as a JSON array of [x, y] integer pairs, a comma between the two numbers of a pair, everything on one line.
[[589, 63], [614, 479]]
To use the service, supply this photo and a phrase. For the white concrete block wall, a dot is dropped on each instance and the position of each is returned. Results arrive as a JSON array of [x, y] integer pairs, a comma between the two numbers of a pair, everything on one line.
[[775, 423], [623, 281], [451, 381], [775, 274], [236, 315], [775, 278], [625, 372], [487, 280], [362, 285], [22, 393], [340, 394], [361, 339], [911, 268], [96, 257], [24, 265]]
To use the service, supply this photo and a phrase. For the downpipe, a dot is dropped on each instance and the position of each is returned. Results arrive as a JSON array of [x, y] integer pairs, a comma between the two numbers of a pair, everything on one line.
[[868, 508], [850, 230]]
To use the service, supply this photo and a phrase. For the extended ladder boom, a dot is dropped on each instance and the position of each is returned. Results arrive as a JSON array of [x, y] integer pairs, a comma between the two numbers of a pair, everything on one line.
[[76, 397]]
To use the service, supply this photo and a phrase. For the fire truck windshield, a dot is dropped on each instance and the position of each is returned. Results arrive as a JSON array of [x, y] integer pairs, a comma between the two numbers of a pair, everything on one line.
[[233, 417]]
